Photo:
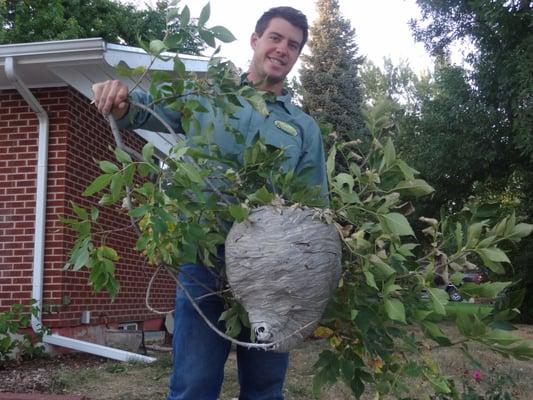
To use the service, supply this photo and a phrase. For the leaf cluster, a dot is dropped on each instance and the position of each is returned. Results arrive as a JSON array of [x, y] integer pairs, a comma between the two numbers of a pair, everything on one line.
[[13, 344]]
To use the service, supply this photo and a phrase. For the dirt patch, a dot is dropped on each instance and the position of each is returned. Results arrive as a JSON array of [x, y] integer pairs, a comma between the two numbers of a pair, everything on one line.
[[37, 376], [38, 396], [97, 378]]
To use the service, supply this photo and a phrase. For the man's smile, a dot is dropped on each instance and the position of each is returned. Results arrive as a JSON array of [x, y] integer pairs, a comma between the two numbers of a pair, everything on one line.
[[277, 61]]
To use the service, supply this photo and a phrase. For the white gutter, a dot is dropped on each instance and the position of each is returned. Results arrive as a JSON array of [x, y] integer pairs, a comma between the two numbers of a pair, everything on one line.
[[39, 240]]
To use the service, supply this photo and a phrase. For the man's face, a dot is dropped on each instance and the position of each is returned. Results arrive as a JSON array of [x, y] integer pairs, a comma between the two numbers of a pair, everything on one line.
[[275, 52]]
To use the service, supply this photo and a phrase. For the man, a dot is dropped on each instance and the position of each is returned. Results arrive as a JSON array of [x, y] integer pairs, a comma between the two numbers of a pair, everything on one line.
[[199, 353]]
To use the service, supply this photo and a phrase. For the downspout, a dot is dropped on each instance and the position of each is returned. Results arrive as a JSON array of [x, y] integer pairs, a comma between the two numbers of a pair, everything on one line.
[[39, 239]]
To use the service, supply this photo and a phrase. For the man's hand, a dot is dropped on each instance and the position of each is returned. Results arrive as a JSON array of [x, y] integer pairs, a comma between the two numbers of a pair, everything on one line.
[[111, 97]]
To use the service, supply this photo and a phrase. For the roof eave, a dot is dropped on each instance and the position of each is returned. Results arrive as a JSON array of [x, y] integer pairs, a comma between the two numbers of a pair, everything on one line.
[[54, 51]]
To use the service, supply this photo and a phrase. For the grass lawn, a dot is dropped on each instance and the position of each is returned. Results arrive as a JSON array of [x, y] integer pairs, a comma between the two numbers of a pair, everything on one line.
[[109, 380]]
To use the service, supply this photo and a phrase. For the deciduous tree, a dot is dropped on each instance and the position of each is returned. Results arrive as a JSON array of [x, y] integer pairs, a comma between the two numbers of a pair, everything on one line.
[[41, 20]]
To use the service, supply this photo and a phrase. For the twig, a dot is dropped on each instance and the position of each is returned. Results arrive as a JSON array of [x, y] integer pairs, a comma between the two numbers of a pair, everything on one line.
[[263, 346], [120, 144], [152, 280], [145, 72], [118, 139]]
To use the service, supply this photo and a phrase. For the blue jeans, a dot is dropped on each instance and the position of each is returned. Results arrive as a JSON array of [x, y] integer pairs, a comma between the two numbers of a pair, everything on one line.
[[199, 354]]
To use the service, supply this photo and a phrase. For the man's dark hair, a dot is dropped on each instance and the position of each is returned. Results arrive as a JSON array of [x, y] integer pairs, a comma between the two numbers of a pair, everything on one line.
[[292, 15]]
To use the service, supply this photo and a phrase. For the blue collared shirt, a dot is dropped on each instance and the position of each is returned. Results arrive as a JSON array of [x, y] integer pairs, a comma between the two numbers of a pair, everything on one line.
[[285, 126]]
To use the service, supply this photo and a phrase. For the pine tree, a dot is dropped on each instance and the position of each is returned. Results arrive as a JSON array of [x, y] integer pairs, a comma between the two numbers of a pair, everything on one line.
[[331, 89]]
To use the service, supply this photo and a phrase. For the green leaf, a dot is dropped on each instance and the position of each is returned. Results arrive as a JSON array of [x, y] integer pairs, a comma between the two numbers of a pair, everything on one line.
[[207, 37], [185, 16], [412, 369], [144, 169], [384, 270], [395, 309], [521, 231], [407, 171], [109, 253], [499, 228], [80, 258], [492, 258], [473, 233], [117, 183], [396, 223], [493, 254], [439, 384], [157, 47], [223, 34], [172, 13], [108, 167], [328, 369], [432, 330], [344, 179], [238, 212], [190, 251], [124, 70], [488, 290], [179, 66], [139, 211], [370, 280], [421, 315], [258, 103], [347, 370], [343, 184], [470, 325], [122, 156], [495, 267], [98, 184], [457, 278], [204, 15], [415, 187], [510, 224], [94, 214], [391, 287], [486, 242], [405, 249], [330, 163], [502, 337], [129, 173], [389, 152], [158, 225], [261, 196], [459, 236], [80, 211], [439, 298], [148, 152], [192, 172]]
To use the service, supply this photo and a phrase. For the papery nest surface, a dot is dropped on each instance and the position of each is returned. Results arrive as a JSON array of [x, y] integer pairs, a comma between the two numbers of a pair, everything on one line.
[[283, 264]]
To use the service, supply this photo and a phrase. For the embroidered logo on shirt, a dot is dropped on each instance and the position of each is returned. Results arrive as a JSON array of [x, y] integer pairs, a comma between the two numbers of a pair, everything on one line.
[[287, 128]]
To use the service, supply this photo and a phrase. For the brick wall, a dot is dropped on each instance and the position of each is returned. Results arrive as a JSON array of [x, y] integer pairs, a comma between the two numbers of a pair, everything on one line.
[[77, 135]]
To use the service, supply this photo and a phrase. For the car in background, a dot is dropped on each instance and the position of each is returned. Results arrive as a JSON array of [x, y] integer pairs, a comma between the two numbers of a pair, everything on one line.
[[451, 289]]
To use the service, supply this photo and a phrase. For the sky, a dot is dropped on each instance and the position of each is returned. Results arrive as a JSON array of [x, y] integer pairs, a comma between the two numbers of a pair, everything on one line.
[[381, 27]]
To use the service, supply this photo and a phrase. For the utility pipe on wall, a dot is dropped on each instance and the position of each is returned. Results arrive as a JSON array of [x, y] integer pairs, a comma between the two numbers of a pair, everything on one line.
[[40, 224]]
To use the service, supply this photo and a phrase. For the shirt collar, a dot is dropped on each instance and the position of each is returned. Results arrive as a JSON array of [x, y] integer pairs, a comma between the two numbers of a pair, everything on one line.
[[285, 99]]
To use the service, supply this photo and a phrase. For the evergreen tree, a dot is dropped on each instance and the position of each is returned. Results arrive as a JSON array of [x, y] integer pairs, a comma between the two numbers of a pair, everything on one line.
[[330, 87]]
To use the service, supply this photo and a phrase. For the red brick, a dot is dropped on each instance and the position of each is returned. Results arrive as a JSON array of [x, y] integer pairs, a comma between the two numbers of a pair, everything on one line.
[[77, 134]]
